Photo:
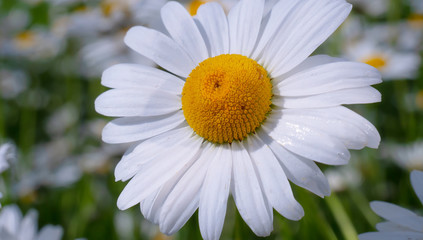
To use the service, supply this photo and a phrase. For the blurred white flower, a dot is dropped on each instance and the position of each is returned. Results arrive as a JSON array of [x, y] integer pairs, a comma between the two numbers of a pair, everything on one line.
[[401, 224], [36, 43], [52, 167], [98, 55], [416, 6], [124, 225], [373, 45], [372, 7], [12, 83], [62, 119], [7, 155], [408, 156], [342, 178], [13, 226]]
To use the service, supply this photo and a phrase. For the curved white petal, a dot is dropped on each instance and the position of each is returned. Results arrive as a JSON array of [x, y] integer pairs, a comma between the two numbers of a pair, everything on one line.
[[11, 216], [151, 207], [215, 24], [29, 226], [183, 30], [244, 21], [156, 172], [161, 49], [131, 129], [214, 194], [306, 142], [391, 227], [328, 78], [274, 182], [137, 102], [248, 195], [344, 96], [136, 156], [279, 13], [307, 26], [391, 236], [417, 183], [50, 232], [398, 215], [329, 121], [299, 170], [310, 62], [129, 76], [184, 198]]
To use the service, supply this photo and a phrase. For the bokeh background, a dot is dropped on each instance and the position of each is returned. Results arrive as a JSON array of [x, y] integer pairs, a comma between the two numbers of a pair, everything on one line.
[[52, 54]]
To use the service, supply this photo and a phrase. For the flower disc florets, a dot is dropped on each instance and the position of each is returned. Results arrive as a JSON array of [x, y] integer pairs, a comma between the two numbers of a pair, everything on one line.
[[226, 97]]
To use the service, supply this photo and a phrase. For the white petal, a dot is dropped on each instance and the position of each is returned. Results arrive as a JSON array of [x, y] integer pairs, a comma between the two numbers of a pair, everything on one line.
[[391, 236], [345, 96], [215, 24], [398, 215], [214, 194], [310, 62], [130, 129], [279, 13], [299, 170], [306, 27], [29, 226], [417, 183], [184, 198], [183, 30], [137, 102], [161, 49], [244, 25], [347, 115], [252, 205], [327, 78], [329, 121], [391, 227], [306, 142], [50, 232], [274, 182], [151, 207], [137, 155], [11, 218], [156, 172], [129, 76]]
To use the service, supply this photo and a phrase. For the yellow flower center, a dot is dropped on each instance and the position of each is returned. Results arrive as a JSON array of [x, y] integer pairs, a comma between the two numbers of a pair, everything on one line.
[[108, 7], [416, 20], [194, 5], [25, 39], [226, 97], [376, 61]]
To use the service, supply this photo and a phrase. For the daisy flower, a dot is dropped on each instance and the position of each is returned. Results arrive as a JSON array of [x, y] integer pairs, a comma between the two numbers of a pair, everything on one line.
[[240, 109], [401, 223], [408, 156], [13, 226], [7, 155], [373, 45]]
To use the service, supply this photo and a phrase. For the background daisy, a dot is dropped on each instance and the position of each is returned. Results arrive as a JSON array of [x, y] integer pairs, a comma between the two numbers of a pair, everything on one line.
[[401, 223]]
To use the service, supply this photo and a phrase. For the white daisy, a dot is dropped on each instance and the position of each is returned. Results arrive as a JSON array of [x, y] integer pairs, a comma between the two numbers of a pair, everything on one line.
[[401, 223], [373, 45], [15, 227], [7, 155], [242, 109], [407, 156], [373, 7]]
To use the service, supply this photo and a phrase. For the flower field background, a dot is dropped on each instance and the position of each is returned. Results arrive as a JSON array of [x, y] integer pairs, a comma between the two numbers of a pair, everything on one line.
[[52, 159]]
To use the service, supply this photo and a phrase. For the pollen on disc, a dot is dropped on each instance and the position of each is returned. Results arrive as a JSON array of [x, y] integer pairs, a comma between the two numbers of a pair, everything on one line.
[[226, 97]]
